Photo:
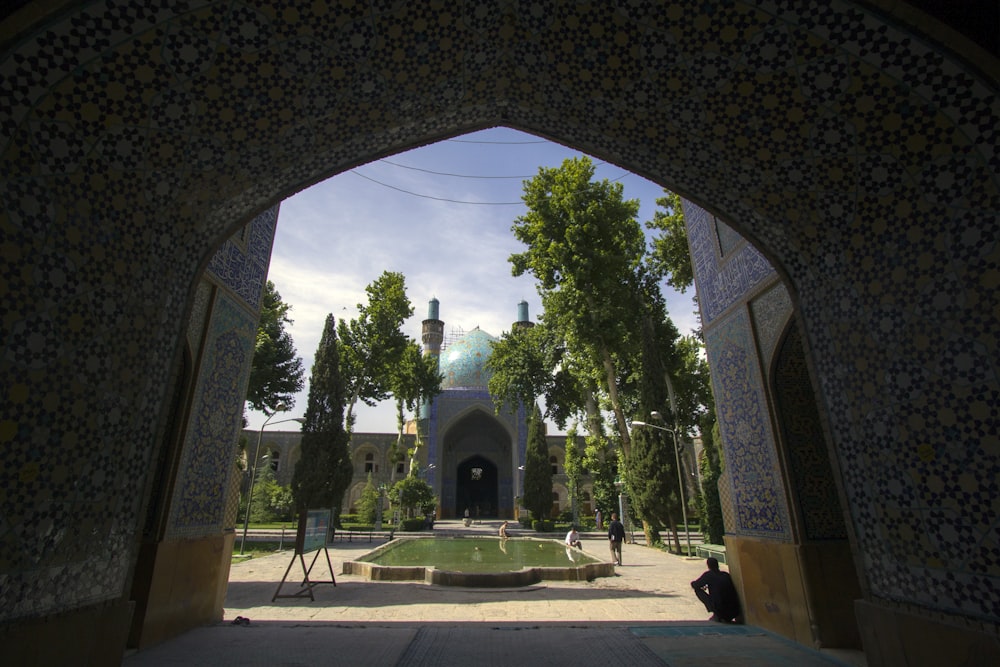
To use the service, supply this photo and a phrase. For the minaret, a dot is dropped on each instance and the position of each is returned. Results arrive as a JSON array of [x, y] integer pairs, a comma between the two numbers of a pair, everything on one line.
[[522, 316], [433, 330]]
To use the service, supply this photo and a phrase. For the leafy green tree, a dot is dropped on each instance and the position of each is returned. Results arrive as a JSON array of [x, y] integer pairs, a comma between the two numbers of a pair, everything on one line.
[[600, 460], [271, 501], [324, 471], [584, 246], [373, 343], [710, 468], [520, 370], [276, 373], [415, 378], [670, 256], [414, 494], [368, 503], [537, 470], [652, 471], [573, 467]]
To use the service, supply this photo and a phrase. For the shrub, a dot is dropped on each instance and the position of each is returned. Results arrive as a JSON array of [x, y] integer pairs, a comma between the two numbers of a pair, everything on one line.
[[416, 523], [542, 526]]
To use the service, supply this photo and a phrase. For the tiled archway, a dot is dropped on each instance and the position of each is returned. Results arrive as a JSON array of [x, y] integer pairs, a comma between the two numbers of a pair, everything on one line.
[[861, 158]]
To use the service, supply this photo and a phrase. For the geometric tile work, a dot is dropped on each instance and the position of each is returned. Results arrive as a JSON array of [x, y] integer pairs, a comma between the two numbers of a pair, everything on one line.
[[865, 158], [729, 239], [448, 410], [243, 267], [810, 473], [771, 311], [721, 283], [208, 460], [745, 426]]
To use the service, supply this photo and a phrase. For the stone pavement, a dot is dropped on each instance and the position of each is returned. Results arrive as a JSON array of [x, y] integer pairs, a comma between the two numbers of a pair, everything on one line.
[[645, 615]]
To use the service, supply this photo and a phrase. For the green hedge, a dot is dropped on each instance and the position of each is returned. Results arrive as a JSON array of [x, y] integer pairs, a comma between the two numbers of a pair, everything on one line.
[[416, 523]]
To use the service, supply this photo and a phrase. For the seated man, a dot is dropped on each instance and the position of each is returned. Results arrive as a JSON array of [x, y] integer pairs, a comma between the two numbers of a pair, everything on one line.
[[503, 530], [716, 591], [573, 538]]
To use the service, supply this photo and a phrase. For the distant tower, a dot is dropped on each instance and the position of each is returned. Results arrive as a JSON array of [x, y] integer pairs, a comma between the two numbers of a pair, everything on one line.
[[522, 316], [433, 331]]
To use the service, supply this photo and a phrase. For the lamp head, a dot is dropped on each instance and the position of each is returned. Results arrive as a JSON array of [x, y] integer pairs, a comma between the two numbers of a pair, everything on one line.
[[280, 407], [656, 415], [636, 422]]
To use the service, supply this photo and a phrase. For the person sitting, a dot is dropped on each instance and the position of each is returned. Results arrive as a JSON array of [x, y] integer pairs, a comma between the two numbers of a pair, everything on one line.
[[503, 530], [573, 538], [716, 591]]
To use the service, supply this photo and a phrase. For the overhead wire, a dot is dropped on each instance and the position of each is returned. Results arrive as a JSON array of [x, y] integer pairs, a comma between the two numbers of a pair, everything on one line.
[[440, 173]]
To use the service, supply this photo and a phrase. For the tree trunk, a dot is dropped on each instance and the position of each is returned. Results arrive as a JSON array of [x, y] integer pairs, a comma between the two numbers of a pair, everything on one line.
[[612, 379]]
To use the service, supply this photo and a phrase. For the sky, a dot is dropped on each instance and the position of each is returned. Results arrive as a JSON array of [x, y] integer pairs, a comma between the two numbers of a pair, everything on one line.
[[441, 215]]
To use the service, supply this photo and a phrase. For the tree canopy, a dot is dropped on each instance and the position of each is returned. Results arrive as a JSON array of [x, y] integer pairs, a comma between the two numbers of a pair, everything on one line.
[[415, 378], [584, 246], [670, 256], [276, 374], [373, 342]]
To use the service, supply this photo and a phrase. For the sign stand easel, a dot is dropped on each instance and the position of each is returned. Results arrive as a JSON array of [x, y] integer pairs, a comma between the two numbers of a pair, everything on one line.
[[312, 534]]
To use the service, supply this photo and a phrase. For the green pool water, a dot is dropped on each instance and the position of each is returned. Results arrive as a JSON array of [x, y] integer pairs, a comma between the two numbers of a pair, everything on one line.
[[463, 554]]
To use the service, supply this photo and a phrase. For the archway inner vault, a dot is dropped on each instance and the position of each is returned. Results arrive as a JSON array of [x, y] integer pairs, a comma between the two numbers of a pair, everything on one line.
[[861, 158]]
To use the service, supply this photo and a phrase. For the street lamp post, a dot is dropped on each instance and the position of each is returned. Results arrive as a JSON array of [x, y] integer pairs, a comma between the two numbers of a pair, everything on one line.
[[280, 407], [680, 477]]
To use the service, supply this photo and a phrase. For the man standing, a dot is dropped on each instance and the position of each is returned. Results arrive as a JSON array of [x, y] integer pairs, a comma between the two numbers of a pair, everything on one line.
[[616, 535], [716, 591]]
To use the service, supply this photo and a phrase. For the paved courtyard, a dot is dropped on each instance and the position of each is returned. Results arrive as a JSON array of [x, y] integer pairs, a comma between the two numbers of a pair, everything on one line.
[[645, 615]]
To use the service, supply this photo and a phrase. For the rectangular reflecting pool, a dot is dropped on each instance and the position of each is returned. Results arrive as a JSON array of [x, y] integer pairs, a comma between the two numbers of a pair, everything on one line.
[[478, 561]]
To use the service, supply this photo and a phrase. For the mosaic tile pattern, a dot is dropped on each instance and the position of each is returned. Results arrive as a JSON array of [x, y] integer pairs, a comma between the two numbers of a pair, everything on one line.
[[805, 445], [752, 468], [721, 283], [242, 267], [136, 136], [463, 363], [197, 508], [770, 311]]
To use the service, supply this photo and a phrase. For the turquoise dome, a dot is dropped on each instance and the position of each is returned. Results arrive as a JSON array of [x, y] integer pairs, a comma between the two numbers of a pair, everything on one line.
[[463, 363]]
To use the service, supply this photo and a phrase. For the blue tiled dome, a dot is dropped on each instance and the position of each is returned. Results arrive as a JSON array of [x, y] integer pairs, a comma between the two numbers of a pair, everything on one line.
[[463, 363]]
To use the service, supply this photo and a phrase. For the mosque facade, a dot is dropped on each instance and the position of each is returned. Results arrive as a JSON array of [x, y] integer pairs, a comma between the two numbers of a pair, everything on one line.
[[471, 453]]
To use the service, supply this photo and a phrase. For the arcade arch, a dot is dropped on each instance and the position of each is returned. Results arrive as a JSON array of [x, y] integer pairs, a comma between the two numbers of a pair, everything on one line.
[[477, 466], [856, 152]]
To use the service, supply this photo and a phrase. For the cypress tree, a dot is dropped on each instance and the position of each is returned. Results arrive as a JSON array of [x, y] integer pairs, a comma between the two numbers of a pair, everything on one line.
[[324, 471], [652, 468], [537, 471]]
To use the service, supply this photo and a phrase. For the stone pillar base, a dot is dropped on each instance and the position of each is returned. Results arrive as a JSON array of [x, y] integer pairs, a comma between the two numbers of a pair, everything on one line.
[[187, 587], [894, 637], [89, 636]]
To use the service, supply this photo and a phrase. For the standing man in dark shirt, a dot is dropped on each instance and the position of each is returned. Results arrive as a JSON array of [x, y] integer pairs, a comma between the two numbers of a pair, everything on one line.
[[616, 535], [716, 591]]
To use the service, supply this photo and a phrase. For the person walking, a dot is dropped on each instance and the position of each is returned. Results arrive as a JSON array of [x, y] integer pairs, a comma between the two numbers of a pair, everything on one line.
[[616, 535]]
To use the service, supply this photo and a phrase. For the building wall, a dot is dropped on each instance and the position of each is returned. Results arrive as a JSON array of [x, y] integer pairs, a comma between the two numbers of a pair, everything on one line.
[[183, 566]]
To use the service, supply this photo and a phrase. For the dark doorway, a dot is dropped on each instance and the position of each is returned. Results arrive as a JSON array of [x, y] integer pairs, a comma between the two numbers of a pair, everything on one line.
[[476, 489]]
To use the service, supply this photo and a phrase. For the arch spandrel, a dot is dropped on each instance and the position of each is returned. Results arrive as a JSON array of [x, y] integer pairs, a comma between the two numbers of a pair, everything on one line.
[[861, 159]]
